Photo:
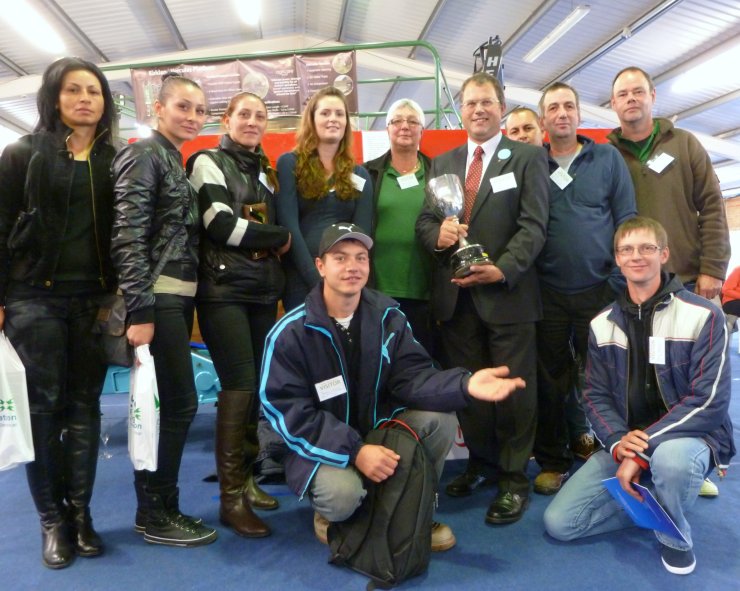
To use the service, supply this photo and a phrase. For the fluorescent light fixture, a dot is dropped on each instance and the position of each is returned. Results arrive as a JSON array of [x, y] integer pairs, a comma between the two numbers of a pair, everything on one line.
[[250, 11], [31, 25], [720, 69], [554, 36], [143, 131]]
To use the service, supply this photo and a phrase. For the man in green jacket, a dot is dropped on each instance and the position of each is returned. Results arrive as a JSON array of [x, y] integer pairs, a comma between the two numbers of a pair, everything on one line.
[[674, 184]]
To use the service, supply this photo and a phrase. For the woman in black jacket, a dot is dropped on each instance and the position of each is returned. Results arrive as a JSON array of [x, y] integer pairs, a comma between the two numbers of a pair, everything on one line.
[[240, 282], [56, 208], [155, 250], [239, 285]]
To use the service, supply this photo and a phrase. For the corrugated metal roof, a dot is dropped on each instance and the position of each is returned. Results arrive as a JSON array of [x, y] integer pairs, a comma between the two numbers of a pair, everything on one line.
[[137, 30]]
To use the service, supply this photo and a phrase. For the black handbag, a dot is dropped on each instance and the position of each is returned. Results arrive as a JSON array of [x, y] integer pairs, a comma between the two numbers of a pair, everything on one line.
[[111, 326]]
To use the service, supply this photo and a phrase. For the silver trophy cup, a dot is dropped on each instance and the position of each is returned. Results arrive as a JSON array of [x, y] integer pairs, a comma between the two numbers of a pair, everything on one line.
[[445, 196]]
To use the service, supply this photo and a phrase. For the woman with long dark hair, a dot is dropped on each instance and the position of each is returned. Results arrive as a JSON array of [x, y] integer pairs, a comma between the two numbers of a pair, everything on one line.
[[320, 185], [56, 209], [240, 282], [155, 250]]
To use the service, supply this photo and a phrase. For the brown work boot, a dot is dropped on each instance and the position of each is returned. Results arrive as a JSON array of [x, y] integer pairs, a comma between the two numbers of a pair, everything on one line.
[[548, 482], [321, 527], [584, 446], [442, 537]]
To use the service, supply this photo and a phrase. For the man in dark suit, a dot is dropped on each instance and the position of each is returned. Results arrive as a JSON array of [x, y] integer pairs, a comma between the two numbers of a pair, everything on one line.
[[488, 317]]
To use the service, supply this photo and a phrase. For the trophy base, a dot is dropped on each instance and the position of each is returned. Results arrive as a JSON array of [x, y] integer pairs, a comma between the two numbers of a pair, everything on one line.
[[465, 257]]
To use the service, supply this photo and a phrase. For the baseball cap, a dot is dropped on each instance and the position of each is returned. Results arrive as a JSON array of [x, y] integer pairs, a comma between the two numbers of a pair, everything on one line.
[[343, 231]]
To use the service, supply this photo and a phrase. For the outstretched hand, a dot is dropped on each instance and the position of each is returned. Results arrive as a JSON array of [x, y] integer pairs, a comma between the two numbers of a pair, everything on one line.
[[492, 385]]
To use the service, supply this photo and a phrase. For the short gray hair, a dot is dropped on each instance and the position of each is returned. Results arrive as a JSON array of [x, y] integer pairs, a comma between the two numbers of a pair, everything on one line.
[[404, 102]]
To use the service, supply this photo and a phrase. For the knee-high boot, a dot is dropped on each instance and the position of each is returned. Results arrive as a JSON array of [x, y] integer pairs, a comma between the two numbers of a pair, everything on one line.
[[232, 414], [45, 479], [257, 497], [81, 444]]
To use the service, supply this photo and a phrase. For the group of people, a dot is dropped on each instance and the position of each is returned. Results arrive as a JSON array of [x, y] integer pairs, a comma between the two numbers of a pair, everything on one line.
[[232, 236]]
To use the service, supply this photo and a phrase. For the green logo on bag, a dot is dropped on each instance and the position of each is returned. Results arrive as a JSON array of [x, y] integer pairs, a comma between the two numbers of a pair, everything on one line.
[[137, 414], [8, 417]]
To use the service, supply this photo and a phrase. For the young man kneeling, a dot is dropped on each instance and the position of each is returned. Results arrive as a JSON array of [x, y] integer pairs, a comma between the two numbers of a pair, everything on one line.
[[342, 363]]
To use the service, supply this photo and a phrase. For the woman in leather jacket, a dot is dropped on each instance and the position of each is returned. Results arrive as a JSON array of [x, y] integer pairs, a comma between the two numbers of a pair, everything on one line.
[[240, 282], [56, 208], [155, 251]]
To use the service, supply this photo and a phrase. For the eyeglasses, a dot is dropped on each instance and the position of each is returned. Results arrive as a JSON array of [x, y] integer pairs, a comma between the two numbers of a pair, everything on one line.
[[485, 103], [643, 249], [398, 122]]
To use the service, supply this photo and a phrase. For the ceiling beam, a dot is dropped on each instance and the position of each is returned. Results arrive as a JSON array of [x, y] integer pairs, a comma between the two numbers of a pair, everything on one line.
[[529, 22], [705, 106], [433, 16], [342, 20], [14, 124], [54, 8], [169, 22], [11, 65]]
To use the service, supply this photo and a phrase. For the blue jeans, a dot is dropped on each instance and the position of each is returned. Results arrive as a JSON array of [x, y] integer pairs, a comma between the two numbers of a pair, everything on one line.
[[336, 493], [585, 508]]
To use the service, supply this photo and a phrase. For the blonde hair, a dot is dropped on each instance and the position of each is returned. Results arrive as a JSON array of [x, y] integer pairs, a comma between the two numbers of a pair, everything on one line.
[[641, 223], [310, 174]]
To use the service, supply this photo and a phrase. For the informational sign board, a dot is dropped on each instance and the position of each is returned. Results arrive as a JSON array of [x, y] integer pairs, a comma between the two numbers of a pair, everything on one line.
[[284, 83]]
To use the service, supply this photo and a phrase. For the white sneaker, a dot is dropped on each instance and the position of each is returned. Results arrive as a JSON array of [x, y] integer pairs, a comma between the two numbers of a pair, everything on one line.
[[708, 489]]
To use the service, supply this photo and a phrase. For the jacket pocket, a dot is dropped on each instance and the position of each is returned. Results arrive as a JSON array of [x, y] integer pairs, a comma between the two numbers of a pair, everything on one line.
[[21, 235]]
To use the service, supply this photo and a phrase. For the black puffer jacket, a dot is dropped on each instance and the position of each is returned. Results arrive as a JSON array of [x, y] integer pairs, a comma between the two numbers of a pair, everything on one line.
[[37, 172], [236, 259], [155, 230]]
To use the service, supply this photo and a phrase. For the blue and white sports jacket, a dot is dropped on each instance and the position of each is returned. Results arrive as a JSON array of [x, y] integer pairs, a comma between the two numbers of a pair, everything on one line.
[[694, 380], [303, 357]]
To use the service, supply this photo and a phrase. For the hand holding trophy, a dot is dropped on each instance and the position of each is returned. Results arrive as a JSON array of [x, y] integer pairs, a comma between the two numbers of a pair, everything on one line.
[[445, 197]]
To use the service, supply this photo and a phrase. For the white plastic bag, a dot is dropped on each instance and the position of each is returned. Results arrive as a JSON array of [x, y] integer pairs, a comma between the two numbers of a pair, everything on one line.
[[16, 439], [143, 412]]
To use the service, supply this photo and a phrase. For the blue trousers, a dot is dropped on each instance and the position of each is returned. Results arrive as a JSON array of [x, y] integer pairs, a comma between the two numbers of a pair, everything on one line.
[[583, 507]]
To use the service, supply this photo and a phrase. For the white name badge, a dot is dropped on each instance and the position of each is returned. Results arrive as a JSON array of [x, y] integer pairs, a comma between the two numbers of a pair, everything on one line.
[[407, 181], [657, 350], [561, 178], [660, 162], [266, 182], [331, 388], [358, 182], [503, 182]]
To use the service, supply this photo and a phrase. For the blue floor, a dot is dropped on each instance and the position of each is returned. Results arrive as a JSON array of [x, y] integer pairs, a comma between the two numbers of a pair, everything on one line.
[[514, 557]]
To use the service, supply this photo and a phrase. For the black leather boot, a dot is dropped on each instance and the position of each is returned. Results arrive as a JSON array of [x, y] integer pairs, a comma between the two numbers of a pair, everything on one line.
[[232, 414], [81, 444], [45, 482]]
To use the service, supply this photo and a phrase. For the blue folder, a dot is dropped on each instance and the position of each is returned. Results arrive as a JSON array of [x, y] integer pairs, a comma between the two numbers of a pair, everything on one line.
[[648, 513]]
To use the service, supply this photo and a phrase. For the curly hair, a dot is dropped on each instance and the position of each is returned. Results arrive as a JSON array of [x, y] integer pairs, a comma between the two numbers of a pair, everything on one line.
[[264, 160], [310, 174]]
